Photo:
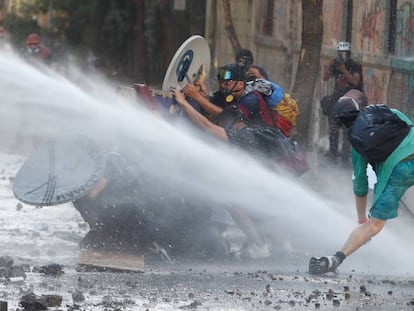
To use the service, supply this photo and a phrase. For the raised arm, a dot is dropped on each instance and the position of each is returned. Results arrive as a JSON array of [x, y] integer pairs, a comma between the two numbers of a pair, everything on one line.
[[361, 207], [352, 78], [198, 118], [191, 91]]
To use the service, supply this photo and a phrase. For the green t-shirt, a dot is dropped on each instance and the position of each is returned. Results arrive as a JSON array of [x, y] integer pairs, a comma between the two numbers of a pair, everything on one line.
[[384, 169]]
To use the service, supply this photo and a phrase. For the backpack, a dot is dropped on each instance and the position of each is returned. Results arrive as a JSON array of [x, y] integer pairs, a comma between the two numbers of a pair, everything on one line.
[[279, 108], [280, 150], [295, 161], [377, 132], [288, 108]]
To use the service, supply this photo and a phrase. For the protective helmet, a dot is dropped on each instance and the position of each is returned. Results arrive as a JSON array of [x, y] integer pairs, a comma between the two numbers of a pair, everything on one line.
[[33, 38], [233, 72], [345, 111], [343, 46]]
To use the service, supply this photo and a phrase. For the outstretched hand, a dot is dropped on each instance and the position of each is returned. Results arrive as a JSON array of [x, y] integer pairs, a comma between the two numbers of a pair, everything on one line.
[[202, 88], [191, 90], [179, 97]]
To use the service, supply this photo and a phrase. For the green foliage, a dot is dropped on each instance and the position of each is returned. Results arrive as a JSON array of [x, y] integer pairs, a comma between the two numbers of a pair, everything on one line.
[[109, 28], [41, 5], [63, 5], [19, 27], [152, 27], [79, 27], [20, 24], [115, 28], [153, 40]]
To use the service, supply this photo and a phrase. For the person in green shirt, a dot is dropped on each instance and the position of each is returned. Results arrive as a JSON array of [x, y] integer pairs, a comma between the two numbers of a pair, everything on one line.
[[394, 176]]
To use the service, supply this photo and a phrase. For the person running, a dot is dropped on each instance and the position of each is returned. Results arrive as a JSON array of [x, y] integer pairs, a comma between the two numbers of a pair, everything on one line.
[[395, 175]]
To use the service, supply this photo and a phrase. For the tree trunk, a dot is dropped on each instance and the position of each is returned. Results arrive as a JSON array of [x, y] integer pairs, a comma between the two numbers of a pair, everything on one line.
[[229, 27], [98, 17], [308, 67], [169, 34], [211, 30], [138, 57]]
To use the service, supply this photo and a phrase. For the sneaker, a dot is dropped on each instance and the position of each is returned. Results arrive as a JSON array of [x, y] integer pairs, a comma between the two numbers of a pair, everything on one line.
[[322, 265], [257, 252]]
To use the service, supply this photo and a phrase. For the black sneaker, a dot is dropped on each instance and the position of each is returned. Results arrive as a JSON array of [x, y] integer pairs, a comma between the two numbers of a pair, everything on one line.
[[322, 265]]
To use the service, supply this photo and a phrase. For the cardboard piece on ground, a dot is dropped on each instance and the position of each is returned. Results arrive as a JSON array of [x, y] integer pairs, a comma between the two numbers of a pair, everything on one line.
[[112, 260]]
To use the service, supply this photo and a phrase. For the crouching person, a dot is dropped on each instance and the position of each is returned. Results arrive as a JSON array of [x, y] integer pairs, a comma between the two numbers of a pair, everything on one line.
[[113, 209], [392, 160]]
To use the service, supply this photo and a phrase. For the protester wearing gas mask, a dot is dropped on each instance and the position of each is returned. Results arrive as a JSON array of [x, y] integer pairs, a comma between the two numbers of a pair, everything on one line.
[[37, 50], [232, 91]]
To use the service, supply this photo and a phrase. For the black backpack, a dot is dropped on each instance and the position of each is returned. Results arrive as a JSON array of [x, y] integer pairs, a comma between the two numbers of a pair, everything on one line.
[[376, 132], [282, 150]]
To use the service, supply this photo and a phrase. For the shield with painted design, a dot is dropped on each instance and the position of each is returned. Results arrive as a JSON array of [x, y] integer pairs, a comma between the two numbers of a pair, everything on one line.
[[190, 63], [60, 171]]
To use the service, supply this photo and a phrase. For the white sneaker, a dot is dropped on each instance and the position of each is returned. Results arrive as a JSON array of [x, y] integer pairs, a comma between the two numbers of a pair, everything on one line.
[[257, 252]]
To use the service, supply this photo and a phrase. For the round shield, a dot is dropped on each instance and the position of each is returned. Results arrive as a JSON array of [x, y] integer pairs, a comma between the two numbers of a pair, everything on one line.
[[190, 63], [60, 171]]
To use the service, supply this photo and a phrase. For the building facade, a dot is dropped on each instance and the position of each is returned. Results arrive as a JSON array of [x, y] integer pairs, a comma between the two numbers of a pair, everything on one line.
[[381, 33]]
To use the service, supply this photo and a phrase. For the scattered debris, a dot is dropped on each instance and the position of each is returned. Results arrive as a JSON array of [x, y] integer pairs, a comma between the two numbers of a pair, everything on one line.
[[33, 302], [9, 271], [78, 296], [52, 269]]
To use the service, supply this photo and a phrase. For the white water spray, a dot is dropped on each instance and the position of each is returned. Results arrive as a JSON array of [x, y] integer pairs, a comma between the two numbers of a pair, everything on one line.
[[46, 105]]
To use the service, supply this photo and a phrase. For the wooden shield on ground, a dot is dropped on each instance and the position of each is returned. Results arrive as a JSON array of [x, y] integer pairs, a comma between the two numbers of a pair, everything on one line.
[[60, 171]]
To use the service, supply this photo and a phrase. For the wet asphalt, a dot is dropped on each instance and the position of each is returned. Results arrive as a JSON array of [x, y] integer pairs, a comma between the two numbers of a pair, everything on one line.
[[35, 237]]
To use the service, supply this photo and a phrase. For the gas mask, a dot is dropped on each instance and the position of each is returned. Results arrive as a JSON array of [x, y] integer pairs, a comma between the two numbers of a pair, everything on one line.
[[227, 95], [34, 50], [227, 76]]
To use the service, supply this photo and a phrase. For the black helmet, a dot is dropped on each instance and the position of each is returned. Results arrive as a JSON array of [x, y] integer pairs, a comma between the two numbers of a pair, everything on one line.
[[345, 111], [233, 72]]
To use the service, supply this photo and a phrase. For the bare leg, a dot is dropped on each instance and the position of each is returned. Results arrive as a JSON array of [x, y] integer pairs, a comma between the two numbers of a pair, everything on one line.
[[362, 234], [358, 237], [246, 225]]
